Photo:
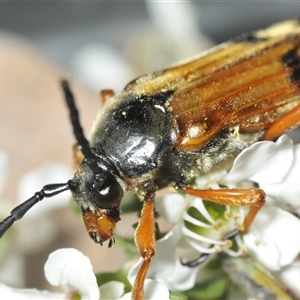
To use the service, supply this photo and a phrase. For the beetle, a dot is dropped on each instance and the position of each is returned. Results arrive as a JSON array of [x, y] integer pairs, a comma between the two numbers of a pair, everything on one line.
[[171, 126]]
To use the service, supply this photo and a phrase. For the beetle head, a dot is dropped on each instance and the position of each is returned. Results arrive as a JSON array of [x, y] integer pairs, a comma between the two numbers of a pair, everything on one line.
[[94, 188], [99, 196]]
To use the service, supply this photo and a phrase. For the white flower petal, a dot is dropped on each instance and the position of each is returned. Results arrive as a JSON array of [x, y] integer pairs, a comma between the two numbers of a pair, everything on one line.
[[7, 292], [70, 269], [134, 270], [164, 259], [266, 251], [167, 269], [291, 277], [263, 162], [112, 290], [182, 278], [171, 207], [153, 291], [287, 190], [278, 244]]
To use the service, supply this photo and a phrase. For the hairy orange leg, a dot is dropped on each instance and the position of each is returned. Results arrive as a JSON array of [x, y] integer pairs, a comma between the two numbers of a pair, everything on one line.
[[255, 198], [287, 122], [145, 242]]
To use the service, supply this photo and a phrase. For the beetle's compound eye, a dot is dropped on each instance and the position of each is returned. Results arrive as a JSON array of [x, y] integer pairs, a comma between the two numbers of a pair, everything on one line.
[[108, 192]]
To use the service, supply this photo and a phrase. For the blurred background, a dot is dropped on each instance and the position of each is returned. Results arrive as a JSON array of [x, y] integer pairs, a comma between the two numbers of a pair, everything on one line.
[[96, 45]]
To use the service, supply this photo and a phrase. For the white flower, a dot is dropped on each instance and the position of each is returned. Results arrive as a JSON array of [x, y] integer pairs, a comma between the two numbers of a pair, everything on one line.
[[275, 167], [201, 225], [272, 239], [290, 275], [112, 290], [266, 162], [10, 293], [73, 272]]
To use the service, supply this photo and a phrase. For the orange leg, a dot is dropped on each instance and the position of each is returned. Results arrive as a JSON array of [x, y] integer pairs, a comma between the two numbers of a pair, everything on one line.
[[287, 122], [255, 198], [105, 95], [77, 157], [145, 242]]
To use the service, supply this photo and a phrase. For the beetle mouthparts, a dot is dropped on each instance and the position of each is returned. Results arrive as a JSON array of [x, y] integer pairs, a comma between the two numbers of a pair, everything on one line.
[[99, 226]]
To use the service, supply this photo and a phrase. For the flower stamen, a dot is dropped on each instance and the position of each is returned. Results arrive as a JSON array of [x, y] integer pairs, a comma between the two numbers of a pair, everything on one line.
[[217, 225]]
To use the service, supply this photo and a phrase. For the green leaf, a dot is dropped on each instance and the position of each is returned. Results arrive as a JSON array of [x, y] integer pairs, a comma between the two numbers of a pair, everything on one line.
[[209, 290], [120, 276], [177, 296]]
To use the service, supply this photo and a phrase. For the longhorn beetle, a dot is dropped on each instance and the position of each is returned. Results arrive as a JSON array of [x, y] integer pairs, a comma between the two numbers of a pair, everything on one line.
[[171, 126]]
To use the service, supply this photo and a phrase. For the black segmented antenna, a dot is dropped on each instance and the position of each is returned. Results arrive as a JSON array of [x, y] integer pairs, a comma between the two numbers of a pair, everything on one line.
[[83, 143], [18, 212]]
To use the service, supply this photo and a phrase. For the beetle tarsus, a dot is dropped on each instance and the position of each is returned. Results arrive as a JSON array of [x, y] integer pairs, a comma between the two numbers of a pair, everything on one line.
[[111, 242], [196, 262]]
